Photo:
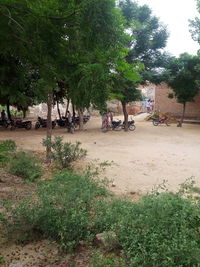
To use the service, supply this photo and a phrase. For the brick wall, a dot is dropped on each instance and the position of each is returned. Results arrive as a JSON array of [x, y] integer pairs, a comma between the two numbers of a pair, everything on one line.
[[165, 104]]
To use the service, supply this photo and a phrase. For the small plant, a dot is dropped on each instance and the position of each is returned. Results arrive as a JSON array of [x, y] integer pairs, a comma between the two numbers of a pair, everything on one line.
[[25, 165], [101, 260], [64, 153]]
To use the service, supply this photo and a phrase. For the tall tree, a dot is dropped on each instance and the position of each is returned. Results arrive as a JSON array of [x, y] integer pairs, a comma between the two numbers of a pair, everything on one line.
[[182, 76]]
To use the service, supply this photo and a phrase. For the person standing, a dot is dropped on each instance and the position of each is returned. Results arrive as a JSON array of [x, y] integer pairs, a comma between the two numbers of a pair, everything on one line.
[[3, 115], [148, 106]]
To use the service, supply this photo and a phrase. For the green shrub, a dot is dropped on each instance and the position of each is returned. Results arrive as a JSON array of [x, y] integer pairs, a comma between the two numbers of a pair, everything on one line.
[[7, 147], [64, 209], [161, 230], [25, 165], [65, 153]]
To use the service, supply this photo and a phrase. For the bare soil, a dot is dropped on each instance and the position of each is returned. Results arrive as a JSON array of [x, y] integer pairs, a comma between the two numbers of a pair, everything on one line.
[[141, 159]]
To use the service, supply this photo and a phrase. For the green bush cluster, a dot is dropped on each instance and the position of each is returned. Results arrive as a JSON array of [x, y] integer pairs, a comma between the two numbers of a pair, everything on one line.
[[63, 209], [25, 165], [7, 147], [64, 153], [162, 229]]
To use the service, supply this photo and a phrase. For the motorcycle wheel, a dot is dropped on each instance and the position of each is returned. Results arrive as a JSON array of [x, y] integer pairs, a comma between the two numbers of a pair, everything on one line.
[[132, 127], [37, 125], [155, 123], [28, 126]]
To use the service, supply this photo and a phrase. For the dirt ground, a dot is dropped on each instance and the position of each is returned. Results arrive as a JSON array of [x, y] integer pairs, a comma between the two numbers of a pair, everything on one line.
[[142, 159]]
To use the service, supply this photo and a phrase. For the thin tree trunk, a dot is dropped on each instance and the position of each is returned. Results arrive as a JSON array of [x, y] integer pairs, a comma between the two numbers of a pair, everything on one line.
[[24, 113], [67, 108], [8, 110], [73, 109], [183, 115], [125, 116], [58, 109], [49, 126], [80, 114]]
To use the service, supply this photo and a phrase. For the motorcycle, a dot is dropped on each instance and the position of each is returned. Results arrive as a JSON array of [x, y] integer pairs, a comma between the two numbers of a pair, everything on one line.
[[131, 125], [21, 124], [76, 120], [64, 122], [43, 123], [157, 121], [115, 126]]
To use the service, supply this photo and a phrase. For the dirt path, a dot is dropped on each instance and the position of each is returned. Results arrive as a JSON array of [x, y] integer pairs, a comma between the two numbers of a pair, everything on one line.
[[142, 158]]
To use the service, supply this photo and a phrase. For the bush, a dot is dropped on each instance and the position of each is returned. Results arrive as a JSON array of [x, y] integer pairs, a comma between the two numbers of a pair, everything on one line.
[[64, 209], [65, 153], [25, 165], [161, 230], [7, 147]]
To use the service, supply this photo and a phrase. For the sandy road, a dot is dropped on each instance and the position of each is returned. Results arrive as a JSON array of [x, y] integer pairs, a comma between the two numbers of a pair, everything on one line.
[[142, 158]]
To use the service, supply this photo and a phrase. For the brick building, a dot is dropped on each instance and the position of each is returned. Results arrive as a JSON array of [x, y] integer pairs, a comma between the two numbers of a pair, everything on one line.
[[165, 104]]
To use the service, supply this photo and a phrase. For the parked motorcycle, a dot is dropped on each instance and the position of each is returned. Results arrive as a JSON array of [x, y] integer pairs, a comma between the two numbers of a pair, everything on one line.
[[20, 124], [64, 122], [43, 123], [76, 120], [157, 121], [131, 125]]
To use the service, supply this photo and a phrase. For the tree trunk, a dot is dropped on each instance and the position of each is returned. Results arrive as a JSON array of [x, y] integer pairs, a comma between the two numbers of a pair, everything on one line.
[[125, 116], [67, 108], [183, 115], [49, 126], [80, 114], [8, 110], [73, 109], [58, 109], [24, 113]]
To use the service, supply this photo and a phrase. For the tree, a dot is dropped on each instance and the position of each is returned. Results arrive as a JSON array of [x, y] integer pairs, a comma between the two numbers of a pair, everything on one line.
[[183, 75], [125, 77]]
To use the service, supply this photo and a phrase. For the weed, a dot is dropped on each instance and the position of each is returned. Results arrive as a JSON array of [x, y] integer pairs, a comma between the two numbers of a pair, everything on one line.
[[25, 165], [7, 147]]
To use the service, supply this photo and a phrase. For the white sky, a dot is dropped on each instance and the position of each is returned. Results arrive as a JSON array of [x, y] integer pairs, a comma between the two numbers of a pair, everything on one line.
[[175, 14]]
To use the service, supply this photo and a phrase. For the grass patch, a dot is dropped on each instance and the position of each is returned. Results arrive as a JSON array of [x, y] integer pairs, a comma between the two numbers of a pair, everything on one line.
[[25, 165], [7, 147]]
